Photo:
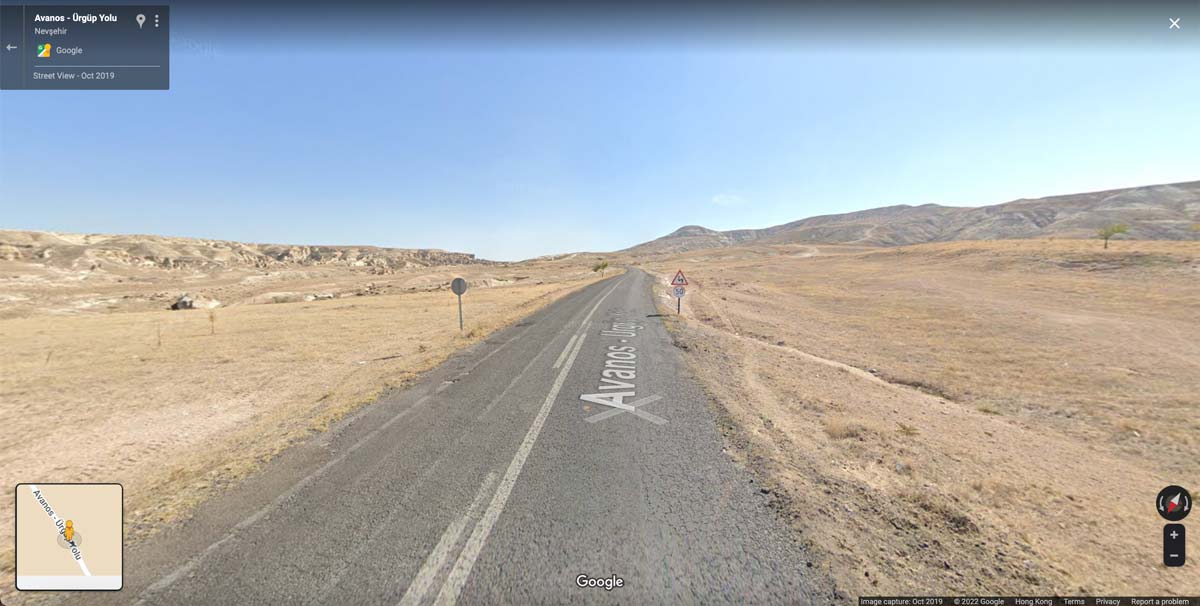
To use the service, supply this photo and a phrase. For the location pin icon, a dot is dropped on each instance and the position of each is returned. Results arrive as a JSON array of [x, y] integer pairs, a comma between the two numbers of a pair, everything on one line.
[[140, 19]]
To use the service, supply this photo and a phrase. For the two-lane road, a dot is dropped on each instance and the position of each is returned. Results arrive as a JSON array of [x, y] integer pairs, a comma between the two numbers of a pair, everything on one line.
[[575, 443]]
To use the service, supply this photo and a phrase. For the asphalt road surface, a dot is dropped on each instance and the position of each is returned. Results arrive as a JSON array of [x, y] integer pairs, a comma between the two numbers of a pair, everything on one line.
[[503, 476]]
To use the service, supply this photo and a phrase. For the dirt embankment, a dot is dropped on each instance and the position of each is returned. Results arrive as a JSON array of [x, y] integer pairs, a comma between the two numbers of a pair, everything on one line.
[[991, 417]]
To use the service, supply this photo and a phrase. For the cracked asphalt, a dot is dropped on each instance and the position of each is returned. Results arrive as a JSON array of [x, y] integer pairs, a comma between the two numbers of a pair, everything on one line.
[[491, 481]]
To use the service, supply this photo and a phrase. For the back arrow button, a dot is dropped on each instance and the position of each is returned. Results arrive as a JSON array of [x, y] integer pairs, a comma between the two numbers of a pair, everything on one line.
[[9, 47]]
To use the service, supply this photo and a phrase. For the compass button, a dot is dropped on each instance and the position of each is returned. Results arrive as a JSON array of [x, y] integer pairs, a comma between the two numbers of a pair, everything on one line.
[[1174, 503]]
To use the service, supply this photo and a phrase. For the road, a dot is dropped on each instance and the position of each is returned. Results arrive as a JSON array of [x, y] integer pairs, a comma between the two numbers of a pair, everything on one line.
[[492, 482]]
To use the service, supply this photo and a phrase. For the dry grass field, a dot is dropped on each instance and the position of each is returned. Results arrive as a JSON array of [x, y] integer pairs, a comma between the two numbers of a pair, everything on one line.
[[176, 404], [967, 417]]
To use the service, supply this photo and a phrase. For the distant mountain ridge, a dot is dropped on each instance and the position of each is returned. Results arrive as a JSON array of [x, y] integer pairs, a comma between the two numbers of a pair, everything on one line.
[[85, 251], [1153, 212]]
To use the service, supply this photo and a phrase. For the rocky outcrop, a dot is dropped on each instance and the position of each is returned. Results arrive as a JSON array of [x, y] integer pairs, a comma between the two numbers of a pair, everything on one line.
[[78, 251], [187, 301]]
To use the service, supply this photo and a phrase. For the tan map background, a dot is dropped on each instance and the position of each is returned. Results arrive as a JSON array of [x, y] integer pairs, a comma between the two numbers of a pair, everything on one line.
[[95, 510]]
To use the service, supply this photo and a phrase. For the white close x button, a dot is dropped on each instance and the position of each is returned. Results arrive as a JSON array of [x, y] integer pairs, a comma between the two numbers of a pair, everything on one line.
[[1174, 23]]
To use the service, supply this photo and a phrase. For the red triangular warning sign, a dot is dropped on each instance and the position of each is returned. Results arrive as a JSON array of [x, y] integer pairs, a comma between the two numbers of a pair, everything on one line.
[[679, 280]]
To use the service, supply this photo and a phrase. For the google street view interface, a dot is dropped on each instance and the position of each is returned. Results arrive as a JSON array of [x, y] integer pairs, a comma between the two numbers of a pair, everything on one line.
[[678, 303]]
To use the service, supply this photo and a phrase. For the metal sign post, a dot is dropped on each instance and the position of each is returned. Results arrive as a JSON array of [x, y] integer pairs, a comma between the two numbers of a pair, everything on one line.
[[679, 281], [459, 286]]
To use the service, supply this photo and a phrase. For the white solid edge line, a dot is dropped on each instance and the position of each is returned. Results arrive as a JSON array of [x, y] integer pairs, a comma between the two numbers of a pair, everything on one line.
[[441, 553], [175, 575], [461, 571], [470, 552], [563, 356], [436, 560], [597, 305], [521, 374]]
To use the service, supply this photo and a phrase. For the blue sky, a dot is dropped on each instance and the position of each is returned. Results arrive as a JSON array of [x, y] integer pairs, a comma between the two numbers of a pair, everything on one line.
[[512, 151]]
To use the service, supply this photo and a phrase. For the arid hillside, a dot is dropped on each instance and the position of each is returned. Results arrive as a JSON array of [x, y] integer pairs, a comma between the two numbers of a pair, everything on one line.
[[44, 273], [1155, 212], [115, 252], [988, 418]]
